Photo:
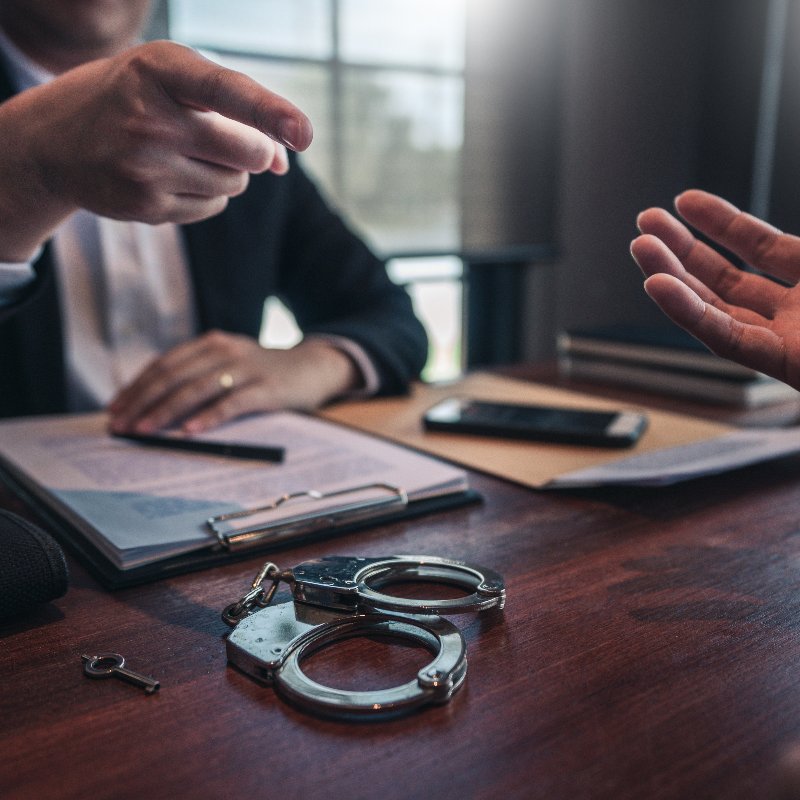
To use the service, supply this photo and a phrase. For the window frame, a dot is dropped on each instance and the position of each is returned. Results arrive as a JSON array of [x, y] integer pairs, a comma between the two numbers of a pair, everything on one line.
[[491, 309]]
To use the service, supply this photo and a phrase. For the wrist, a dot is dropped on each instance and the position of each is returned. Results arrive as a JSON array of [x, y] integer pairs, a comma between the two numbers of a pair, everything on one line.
[[29, 210], [333, 371]]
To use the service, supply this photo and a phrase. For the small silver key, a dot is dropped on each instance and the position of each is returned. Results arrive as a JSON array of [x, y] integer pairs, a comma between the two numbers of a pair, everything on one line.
[[104, 665]]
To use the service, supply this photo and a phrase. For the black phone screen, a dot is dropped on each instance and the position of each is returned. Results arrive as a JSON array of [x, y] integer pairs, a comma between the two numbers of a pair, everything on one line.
[[543, 423], [539, 417]]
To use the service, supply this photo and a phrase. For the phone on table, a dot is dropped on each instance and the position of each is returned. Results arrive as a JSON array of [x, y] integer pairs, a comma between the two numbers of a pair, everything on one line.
[[540, 423]]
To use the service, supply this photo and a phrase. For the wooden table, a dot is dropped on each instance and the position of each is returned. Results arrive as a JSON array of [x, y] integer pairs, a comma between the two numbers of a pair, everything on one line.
[[649, 648]]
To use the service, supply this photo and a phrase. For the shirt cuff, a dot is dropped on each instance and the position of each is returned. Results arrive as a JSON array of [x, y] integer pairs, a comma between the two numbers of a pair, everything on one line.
[[371, 381], [14, 277]]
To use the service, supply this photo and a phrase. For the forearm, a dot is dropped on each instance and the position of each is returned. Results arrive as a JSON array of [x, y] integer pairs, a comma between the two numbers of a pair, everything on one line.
[[29, 211], [336, 286], [390, 335]]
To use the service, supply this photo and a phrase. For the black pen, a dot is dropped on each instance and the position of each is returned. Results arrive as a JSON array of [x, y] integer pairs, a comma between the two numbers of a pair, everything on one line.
[[233, 449]]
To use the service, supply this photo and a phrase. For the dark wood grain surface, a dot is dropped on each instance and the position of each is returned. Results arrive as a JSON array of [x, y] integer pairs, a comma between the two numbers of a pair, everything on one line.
[[649, 648]]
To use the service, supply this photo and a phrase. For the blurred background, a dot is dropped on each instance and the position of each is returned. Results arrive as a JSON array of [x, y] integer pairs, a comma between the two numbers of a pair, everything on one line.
[[497, 151]]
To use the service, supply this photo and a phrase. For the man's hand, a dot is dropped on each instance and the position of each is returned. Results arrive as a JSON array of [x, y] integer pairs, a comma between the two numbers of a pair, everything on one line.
[[739, 315], [156, 134], [220, 376]]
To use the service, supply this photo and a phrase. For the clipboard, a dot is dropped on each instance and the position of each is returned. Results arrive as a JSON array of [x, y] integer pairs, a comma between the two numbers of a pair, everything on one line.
[[111, 577], [41, 459]]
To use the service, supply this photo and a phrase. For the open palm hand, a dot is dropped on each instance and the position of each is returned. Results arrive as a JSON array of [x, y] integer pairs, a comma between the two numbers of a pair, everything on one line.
[[737, 314]]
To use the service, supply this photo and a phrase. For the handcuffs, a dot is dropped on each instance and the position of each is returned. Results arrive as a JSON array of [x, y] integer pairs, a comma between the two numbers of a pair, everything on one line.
[[339, 597]]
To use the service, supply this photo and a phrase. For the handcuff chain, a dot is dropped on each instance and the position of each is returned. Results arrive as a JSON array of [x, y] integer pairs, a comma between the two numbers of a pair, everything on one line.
[[257, 595]]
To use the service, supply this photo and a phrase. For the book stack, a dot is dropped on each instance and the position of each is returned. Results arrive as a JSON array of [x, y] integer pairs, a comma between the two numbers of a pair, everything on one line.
[[664, 360]]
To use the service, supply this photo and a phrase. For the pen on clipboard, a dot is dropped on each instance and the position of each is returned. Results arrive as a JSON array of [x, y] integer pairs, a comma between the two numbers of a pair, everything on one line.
[[256, 452]]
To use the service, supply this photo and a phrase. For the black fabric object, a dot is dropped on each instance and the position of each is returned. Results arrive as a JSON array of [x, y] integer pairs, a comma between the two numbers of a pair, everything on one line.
[[32, 567]]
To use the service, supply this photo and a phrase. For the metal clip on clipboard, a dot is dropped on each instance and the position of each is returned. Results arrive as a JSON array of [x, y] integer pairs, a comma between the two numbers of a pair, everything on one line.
[[308, 521]]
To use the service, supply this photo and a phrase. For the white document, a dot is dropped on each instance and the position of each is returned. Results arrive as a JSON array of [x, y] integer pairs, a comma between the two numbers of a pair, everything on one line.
[[675, 464], [140, 504]]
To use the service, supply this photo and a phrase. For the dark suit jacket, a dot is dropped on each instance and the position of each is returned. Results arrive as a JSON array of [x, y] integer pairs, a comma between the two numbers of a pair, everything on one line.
[[278, 238]]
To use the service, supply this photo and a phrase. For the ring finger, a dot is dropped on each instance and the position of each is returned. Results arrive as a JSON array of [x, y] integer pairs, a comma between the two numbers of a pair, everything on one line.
[[174, 406]]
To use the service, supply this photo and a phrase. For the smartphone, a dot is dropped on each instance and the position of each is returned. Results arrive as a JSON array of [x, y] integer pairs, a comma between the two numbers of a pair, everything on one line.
[[541, 423]]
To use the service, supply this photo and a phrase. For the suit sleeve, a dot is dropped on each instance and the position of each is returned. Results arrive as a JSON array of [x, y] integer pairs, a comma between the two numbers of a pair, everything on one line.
[[335, 285], [19, 283]]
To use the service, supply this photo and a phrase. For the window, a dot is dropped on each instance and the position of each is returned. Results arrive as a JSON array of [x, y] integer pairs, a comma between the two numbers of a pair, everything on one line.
[[384, 85]]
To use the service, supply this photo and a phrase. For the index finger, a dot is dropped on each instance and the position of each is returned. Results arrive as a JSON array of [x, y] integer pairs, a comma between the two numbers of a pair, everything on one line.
[[195, 81], [755, 241]]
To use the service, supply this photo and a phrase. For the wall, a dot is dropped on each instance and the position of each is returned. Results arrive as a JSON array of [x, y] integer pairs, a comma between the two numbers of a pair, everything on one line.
[[638, 81]]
